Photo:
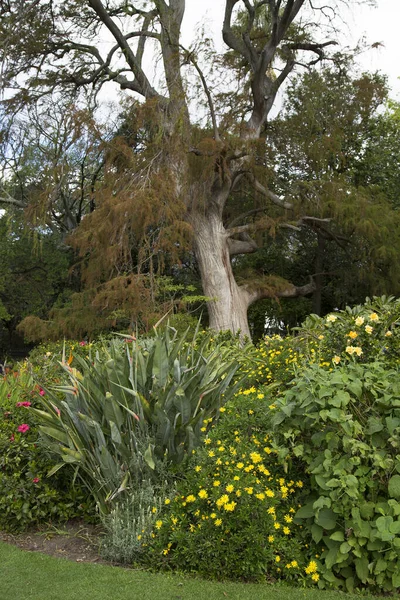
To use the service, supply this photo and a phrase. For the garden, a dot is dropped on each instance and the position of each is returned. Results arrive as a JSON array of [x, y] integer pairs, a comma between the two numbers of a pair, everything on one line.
[[191, 454]]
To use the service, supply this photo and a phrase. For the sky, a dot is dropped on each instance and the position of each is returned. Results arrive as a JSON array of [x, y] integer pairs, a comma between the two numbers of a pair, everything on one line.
[[380, 24]]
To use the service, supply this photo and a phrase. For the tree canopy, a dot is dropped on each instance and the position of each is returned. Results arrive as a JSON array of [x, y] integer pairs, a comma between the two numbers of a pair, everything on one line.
[[221, 184]]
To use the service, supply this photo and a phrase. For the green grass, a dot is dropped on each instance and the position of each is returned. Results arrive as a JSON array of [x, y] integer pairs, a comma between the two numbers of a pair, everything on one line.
[[35, 576]]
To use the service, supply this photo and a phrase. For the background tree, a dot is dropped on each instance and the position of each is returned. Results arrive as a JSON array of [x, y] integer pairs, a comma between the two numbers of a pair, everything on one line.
[[183, 179]]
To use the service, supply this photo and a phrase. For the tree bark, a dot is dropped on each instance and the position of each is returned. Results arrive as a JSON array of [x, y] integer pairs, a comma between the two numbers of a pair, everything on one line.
[[228, 303]]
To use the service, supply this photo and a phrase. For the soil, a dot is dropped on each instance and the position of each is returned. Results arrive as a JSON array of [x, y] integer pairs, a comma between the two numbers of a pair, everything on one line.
[[76, 541]]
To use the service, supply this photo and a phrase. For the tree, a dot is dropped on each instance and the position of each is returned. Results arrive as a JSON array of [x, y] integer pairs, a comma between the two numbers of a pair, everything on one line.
[[33, 277], [184, 174]]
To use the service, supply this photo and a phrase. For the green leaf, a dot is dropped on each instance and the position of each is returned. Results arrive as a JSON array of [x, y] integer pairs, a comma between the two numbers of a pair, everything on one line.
[[362, 568], [317, 533], [394, 487], [57, 434], [148, 457], [305, 512], [326, 519], [338, 536]]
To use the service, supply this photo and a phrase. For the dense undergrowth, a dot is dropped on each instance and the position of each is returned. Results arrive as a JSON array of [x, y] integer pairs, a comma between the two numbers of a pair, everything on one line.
[[275, 462]]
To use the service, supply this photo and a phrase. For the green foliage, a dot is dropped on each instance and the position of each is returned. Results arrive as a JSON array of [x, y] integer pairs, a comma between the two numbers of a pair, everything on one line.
[[27, 498], [232, 517], [135, 402], [129, 525], [365, 332], [344, 425]]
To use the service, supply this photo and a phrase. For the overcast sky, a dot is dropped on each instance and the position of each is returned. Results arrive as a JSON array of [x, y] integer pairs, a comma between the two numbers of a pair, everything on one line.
[[380, 24]]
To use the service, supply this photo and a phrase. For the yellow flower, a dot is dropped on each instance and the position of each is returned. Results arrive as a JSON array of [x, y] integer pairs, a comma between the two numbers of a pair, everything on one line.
[[294, 563], [213, 515], [255, 457], [203, 429], [222, 409], [217, 522], [229, 488], [277, 558], [369, 329], [216, 483], [352, 335], [286, 530], [224, 499], [203, 494], [359, 321], [207, 441], [321, 337], [174, 520], [331, 318], [191, 498], [154, 510], [311, 568], [358, 350], [315, 577], [260, 496], [271, 538], [197, 468], [299, 484], [336, 360], [167, 501], [271, 406], [269, 493], [240, 465], [229, 506], [251, 412], [374, 317], [277, 525], [249, 490], [260, 396], [211, 453], [388, 334], [158, 524], [218, 462], [288, 518]]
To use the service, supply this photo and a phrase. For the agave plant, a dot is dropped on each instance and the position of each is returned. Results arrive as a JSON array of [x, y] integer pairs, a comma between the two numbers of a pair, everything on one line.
[[133, 405]]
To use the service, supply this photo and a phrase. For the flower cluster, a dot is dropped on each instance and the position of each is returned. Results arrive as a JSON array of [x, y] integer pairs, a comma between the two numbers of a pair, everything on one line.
[[234, 513]]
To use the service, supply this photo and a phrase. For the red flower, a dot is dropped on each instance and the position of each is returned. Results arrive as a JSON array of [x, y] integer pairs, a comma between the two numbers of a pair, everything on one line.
[[12, 438], [36, 480], [23, 404], [23, 428], [42, 392]]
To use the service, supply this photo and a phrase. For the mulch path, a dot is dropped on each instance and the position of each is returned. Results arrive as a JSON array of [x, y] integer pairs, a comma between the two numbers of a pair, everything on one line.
[[76, 541]]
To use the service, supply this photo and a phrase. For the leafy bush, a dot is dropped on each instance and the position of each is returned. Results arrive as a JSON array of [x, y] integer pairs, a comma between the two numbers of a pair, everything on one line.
[[276, 359], [232, 517], [344, 425], [129, 525], [26, 496], [132, 403], [366, 332]]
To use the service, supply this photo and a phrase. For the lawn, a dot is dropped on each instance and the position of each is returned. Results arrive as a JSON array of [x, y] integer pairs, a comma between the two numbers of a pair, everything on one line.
[[34, 576]]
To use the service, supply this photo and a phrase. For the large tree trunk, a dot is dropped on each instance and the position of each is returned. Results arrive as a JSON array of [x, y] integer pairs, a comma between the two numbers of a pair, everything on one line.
[[228, 304]]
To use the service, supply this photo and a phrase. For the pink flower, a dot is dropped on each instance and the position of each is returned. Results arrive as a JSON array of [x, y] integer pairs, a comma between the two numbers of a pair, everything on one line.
[[83, 343], [36, 480], [12, 438], [42, 392], [23, 428], [23, 404]]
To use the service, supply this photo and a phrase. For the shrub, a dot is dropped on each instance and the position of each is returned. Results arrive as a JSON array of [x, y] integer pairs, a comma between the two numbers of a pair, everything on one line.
[[232, 517], [344, 425], [366, 332], [129, 525], [27, 497], [132, 403]]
